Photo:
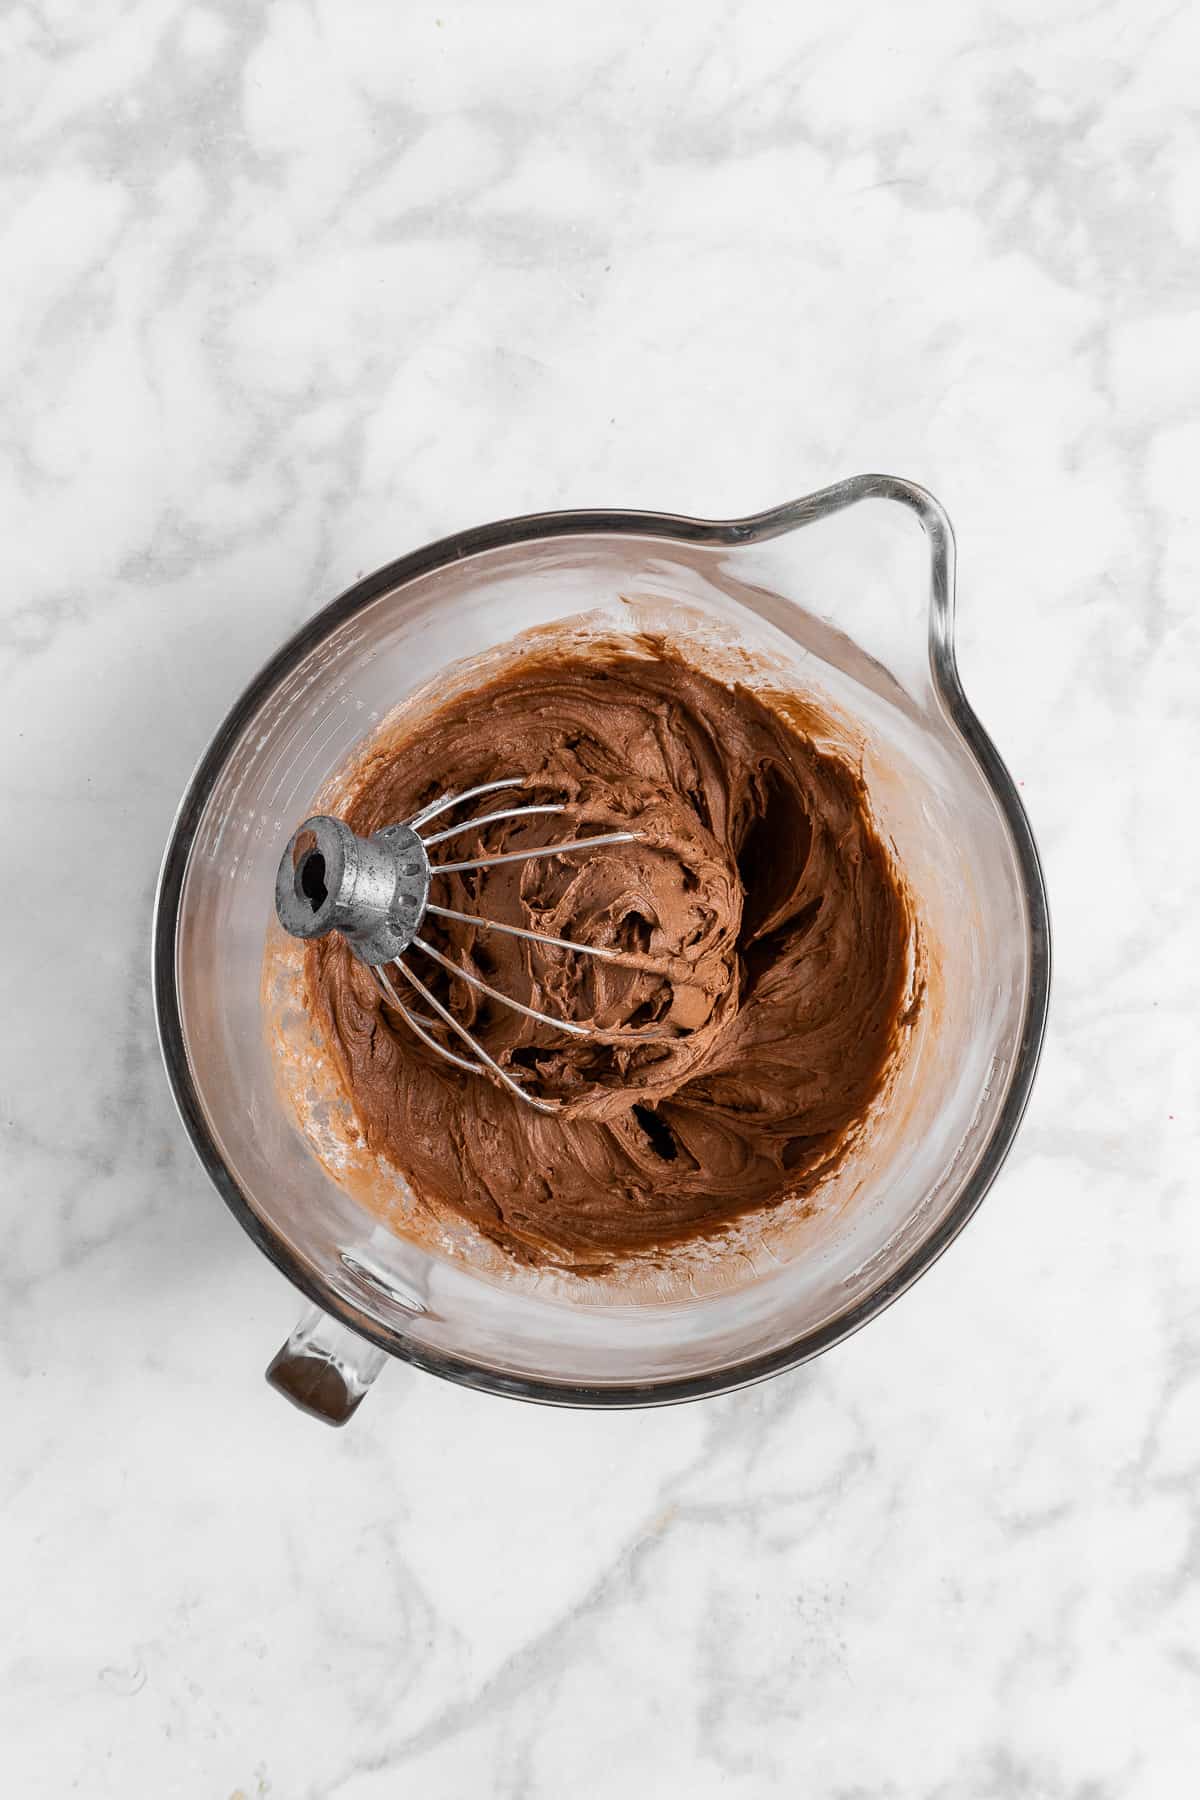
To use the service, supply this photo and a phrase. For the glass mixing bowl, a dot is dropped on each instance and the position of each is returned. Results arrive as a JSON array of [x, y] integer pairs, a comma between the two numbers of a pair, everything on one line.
[[858, 614]]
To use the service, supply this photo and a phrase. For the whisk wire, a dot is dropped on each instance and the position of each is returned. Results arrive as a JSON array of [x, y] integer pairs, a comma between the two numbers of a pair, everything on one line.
[[511, 856], [445, 801], [515, 812], [519, 931], [495, 993], [502, 1075], [419, 1025]]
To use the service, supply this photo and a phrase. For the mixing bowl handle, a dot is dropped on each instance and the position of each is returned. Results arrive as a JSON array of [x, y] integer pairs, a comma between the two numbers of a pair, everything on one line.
[[325, 1368]]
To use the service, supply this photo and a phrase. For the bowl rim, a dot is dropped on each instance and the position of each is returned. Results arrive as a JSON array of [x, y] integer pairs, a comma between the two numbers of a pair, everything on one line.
[[529, 528]]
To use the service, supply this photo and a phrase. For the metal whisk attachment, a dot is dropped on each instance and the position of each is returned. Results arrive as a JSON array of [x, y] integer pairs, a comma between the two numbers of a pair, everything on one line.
[[375, 891]]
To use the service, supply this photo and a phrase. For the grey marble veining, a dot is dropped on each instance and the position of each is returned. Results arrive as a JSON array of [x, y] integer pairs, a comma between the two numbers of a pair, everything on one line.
[[290, 289]]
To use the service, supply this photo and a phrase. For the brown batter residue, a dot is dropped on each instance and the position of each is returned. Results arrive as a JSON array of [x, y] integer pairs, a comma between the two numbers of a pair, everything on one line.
[[765, 939]]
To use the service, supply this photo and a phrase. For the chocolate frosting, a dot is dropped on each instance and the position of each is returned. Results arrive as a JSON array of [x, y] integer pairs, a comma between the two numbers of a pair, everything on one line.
[[763, 938]]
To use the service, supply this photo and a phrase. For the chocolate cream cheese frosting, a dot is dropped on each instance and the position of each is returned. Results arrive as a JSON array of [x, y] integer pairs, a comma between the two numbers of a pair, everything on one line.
[[763, 938]]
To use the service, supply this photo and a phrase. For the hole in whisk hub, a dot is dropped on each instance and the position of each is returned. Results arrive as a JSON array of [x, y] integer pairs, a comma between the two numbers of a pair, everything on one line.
[[311, 880]]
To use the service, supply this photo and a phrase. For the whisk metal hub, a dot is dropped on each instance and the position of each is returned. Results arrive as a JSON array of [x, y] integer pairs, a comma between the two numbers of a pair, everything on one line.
[[374, 890]]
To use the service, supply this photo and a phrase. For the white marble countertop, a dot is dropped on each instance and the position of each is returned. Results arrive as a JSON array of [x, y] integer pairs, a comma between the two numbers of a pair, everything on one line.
[[291, 289]]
